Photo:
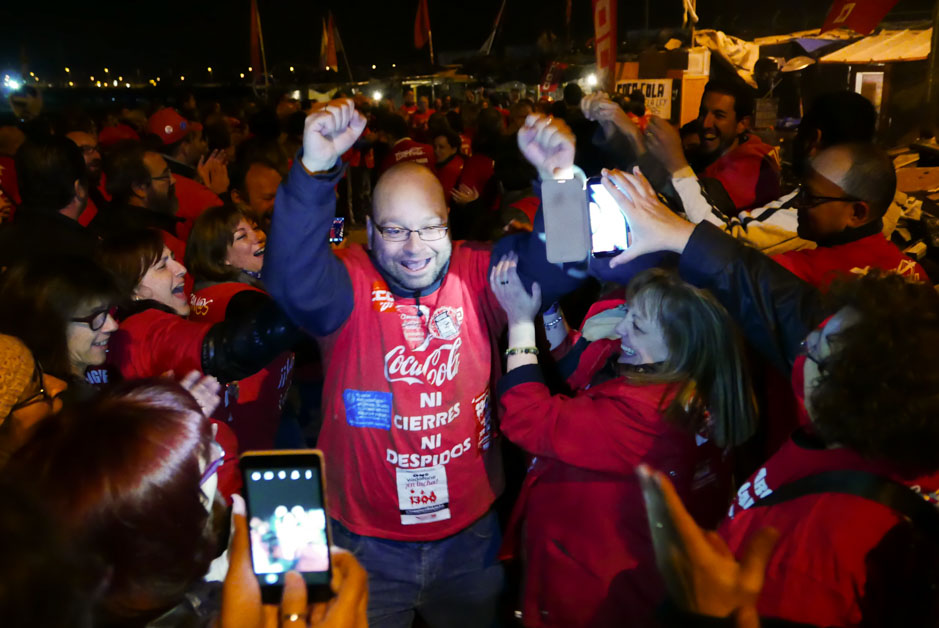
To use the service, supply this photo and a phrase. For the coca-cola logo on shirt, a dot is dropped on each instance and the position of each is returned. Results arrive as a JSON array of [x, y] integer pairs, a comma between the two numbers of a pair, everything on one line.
[[439, 366]]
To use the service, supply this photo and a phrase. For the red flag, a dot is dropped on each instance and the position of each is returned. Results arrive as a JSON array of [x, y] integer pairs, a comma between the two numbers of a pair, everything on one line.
[[328, 46], [255, 40], [604, 23], [421, 25], [861, 16]]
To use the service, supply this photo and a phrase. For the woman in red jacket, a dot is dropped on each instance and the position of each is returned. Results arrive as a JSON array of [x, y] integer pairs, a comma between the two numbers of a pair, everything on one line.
[[225, 254], [679, 377]]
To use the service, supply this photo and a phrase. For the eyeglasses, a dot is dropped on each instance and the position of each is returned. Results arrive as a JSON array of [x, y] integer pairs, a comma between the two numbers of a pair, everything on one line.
[[41, 396], [218, 455], [427, 234], [807, 201], [97, 319], [807, 349]]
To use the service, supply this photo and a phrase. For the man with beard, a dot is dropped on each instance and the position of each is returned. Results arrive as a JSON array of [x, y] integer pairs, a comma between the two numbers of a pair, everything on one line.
[[143, 195], [746, 167], [199, 179], [409, 331], [833, 119], [87, 141], [54, 191]]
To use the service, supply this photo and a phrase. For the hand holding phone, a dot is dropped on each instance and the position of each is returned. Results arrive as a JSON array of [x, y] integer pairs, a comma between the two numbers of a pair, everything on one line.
[[241, 593], [287, 521]]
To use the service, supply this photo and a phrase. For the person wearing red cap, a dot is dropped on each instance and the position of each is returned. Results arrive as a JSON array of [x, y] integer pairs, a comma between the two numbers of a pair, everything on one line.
[[181, 140], [198, 182]]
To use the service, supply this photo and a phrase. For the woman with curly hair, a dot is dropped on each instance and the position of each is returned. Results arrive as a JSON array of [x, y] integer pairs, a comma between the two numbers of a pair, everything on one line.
[[864, 363]]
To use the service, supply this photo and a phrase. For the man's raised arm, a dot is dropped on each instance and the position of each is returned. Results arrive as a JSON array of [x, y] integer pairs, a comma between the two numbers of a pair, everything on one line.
[[300, 271], [548, 144]]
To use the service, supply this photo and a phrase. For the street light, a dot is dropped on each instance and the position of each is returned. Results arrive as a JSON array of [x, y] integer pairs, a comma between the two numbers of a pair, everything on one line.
[[291, 68], [115, 83], [592, 80], [120, 78], [71, 84], [106, 70], [250, 69], [242, 75], [376, 95], [67, 70], [374, 67], [393, 65], [91, 78], [182, 78]]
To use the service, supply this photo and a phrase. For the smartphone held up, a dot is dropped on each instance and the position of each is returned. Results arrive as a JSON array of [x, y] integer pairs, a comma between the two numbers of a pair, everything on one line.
[[287, 521], [582, 221]]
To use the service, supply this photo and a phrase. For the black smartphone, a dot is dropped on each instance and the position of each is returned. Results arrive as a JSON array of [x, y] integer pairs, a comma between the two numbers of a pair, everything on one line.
[[609, 231], [287, 522], [337, 231]]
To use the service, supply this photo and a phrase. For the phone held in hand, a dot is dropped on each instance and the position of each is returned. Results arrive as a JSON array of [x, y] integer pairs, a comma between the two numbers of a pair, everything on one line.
[[609, 231], [337, 230], [287, 521]]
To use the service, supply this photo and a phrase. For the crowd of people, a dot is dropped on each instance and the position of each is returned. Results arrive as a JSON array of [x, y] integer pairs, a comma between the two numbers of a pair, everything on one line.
[[731, 421]]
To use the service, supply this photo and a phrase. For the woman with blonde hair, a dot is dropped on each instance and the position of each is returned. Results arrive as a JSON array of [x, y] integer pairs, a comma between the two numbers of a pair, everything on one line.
[[679, 380]]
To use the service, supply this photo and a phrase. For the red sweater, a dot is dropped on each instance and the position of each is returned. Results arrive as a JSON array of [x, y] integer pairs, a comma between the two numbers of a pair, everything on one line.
[[588, 553], [749, 173], [820, 565], [822, 265]]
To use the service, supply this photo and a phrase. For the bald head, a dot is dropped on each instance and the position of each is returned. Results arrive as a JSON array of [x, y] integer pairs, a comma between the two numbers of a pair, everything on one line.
[[408, 188], [862, 170], [407, 231]]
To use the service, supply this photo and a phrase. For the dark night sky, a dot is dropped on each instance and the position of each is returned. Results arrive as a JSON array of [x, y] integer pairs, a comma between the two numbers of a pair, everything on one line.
[[188, 35]]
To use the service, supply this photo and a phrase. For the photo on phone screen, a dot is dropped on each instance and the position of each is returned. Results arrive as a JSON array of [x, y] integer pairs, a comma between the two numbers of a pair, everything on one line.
[[287, 520], [609, 230]]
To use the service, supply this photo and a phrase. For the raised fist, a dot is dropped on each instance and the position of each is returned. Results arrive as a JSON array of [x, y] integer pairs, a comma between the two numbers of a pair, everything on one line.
[[330, 132], [548, 144]]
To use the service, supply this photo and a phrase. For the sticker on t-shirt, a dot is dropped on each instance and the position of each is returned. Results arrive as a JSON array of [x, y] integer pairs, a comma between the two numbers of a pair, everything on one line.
[[367, 408], [483, 410], [382, 298], [413, 322], [445, 322], [422, 495]]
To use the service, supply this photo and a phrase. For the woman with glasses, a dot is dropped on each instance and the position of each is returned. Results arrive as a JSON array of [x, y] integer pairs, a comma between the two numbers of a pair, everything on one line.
[[62, 309], [224, 255], [27, 395]]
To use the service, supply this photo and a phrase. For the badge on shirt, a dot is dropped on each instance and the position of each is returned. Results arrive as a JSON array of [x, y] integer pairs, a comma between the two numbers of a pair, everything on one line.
[[413, 322], [422, 495], [445, 322]]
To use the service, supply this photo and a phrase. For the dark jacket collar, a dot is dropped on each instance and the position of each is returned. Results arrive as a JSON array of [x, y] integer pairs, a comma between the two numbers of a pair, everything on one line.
[[853, 234]]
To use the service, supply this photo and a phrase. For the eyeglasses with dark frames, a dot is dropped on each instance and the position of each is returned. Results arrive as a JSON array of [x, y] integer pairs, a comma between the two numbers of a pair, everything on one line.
[[97, 319], [807, 201]]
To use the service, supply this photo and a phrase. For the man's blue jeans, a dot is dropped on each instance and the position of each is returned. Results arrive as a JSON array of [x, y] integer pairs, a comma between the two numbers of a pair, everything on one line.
[[452, 583]]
